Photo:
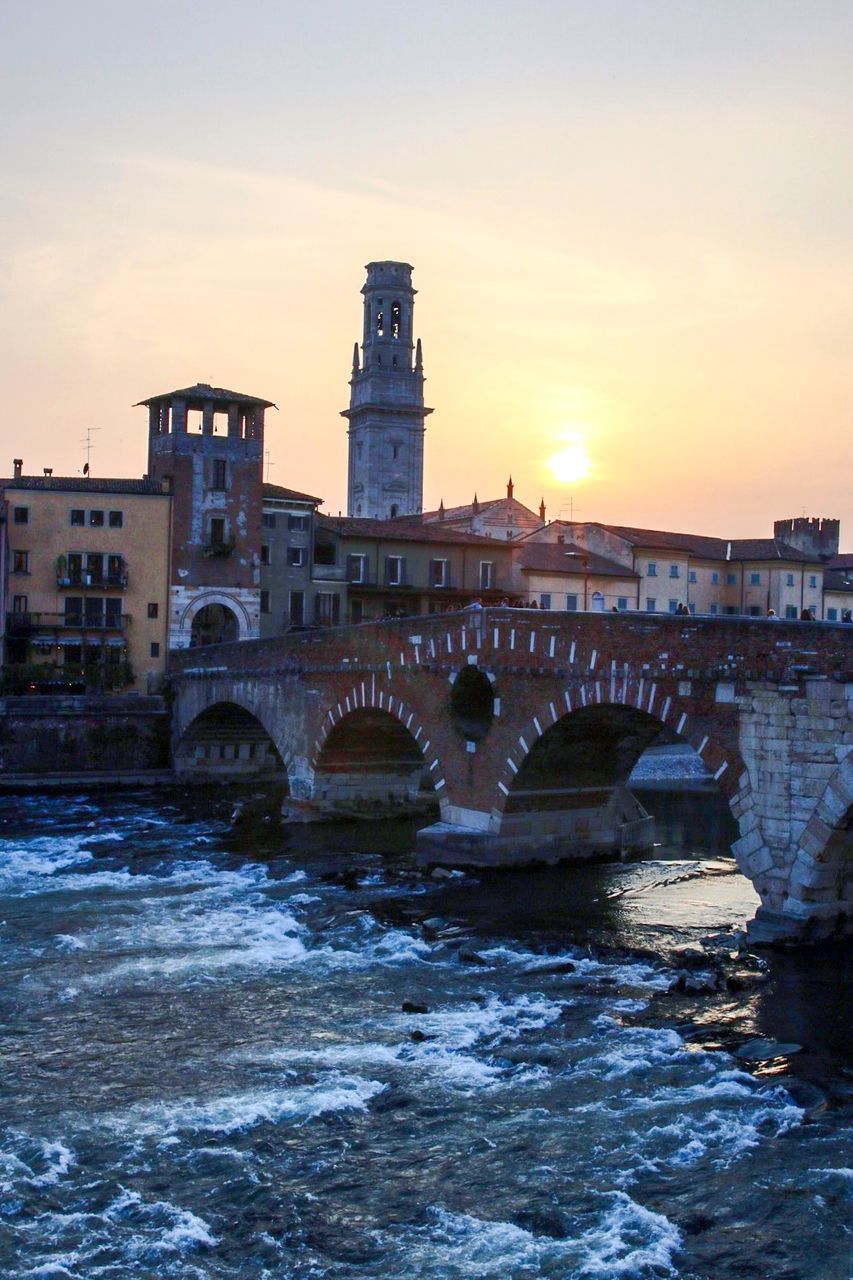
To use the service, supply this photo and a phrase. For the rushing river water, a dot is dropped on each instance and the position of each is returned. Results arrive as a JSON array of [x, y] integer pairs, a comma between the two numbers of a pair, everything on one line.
[[207, 1070]]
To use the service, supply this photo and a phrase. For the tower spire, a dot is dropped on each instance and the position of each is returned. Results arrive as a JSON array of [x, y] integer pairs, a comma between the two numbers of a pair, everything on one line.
[[509, 487], [386, 411]]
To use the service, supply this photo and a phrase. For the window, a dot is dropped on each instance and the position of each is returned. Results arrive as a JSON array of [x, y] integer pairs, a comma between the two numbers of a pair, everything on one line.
[[93, 611], [438, 573], [731, 579], [651, 569], [812, 579], [790, 611], [298, 523], [20, 604], [674, 571], [20, 561], [755, 579], [356, 612], [545, 600], [72, 655], [77, 516], [715, 577], [265, 554], [153, 609], [832, 615], [714, 608], [116, 519], [395, 319], [116, 573], [691, 577], [730, 610], [394, 510], [75, 569], [268, 520], [754, 611], [571, 603], [20, 515], [217, 531], [220, 478], [296, 557], [394, 571], [486, 574], [96, 519], [327, 608], [789, 579], [73, 611], [265, 602], [394, 452], [651, 604], [380, 320], [155, 649], [94, 569], [673, 605], [357, 568], [622, 603], [297, 608], [113, 613]]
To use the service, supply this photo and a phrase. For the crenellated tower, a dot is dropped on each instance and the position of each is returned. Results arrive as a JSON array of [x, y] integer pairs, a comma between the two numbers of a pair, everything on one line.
[[386, 412]]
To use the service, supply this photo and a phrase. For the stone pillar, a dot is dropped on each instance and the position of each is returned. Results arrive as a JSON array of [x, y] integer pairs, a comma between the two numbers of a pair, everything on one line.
[[234, 431], [179, 416], [207, 418], [154, 418]]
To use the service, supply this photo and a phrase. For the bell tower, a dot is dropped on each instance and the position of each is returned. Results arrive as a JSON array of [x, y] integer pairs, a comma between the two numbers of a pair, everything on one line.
[[386, 412]]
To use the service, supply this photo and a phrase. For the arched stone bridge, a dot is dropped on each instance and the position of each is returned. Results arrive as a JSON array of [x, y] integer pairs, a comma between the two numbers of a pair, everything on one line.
[[525, 727]]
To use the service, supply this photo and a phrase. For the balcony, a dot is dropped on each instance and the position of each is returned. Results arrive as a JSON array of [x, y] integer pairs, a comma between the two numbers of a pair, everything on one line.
[[92, 581], [328, 572], [218, 550], [20, 624]]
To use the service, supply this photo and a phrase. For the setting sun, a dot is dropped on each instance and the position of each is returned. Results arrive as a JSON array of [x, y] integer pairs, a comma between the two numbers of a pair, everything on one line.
[[571, 462]]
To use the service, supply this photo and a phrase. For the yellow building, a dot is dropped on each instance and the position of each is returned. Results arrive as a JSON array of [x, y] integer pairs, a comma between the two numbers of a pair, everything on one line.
[[88, 582]]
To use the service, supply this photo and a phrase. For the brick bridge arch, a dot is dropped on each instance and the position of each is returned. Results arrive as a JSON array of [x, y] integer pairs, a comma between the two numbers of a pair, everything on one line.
[[766, 705]]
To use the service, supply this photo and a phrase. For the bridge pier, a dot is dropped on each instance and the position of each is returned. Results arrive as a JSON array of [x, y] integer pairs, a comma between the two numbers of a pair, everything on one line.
[[554, 826]]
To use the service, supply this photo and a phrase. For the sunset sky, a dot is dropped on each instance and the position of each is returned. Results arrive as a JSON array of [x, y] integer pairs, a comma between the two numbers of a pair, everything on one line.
[[631, 226]]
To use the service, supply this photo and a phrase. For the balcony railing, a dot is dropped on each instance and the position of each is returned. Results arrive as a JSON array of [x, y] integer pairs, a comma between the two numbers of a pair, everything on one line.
[[218, 550], [92, 582], [26, 623]]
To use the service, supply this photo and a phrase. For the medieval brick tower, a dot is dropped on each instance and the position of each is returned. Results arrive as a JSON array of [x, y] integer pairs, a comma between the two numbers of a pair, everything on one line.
[[386, 413], [209, 443]]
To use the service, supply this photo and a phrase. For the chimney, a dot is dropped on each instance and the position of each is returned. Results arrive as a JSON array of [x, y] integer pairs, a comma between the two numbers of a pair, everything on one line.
[[48, 471], [18, 464]]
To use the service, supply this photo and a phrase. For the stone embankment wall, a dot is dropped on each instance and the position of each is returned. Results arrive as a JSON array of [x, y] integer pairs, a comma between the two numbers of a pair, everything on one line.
[[74, 735]]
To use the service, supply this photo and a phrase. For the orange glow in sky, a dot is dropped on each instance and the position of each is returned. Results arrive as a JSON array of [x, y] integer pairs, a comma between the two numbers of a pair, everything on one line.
[[629, 214]]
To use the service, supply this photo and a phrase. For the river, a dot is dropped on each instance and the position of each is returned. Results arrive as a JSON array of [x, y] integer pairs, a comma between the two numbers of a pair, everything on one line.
[[208, 1070]]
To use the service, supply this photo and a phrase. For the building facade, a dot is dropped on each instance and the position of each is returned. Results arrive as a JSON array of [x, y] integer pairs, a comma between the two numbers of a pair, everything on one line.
[[87, 586], [386, 412], [388, 568], [286, 554], [209, 443]]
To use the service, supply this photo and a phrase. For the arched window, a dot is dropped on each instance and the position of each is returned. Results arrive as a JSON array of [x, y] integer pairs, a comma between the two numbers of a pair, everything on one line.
[[395, 319], [380, 320]]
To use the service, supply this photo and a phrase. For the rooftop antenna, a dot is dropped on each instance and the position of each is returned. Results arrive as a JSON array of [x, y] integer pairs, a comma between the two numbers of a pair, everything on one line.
[[89, 447], [269, 464], [571, 505]]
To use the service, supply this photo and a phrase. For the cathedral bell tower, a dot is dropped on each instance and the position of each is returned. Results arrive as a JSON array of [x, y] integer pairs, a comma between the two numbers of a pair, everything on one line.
[[386, 411]]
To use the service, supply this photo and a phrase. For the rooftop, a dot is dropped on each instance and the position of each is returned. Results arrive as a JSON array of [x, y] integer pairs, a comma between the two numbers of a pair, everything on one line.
[[203, 393], [404, 529], [85, 484], [704, 547], [568, 558], [279, 491]]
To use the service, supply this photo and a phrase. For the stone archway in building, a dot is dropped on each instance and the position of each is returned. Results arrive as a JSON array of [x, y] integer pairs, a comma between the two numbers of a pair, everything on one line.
[[214, 623]]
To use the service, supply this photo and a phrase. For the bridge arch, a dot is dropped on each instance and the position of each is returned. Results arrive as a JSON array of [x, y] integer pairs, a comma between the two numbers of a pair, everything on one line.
[[625, 714], [821, 880], [226, 739], [369, 762]]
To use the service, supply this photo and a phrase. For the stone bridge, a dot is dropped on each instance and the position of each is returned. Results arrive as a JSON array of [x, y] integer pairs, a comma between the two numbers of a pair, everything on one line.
[[525, 726]]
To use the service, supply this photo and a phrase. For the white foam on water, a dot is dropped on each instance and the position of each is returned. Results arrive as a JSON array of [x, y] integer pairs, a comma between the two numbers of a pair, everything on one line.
[[496, 1020], [421, 1063], [635, 973], [628, 1241], [21, 864], [233, 1113], [35, 1162]]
